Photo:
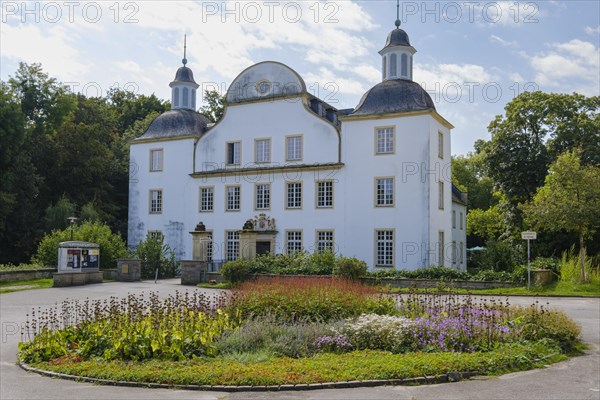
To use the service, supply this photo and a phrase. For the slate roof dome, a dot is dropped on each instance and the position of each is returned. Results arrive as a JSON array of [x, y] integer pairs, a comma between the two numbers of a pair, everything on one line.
[[174, 123], [184, 74], [394, 96], [397, 37]]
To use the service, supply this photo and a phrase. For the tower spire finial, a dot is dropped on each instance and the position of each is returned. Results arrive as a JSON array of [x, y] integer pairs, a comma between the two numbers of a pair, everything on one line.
[[398, 22], [184, 61]]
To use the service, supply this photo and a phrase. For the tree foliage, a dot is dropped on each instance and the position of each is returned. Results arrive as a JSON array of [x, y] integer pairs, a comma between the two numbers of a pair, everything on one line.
[[214, 107], [569, 199]]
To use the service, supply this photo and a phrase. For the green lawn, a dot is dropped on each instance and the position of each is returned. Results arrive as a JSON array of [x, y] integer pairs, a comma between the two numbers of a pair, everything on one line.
[[560, 288], [222, 285], [16, 286]]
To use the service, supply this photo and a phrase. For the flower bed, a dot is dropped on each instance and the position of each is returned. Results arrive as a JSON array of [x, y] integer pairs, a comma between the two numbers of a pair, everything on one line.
[[272, 332]]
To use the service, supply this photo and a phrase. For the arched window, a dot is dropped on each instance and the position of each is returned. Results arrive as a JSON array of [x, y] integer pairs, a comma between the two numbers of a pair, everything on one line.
[[194, 99], [384, 69], [176, 97], [410, 69], [404, 65], [393, 64], [186, 97]]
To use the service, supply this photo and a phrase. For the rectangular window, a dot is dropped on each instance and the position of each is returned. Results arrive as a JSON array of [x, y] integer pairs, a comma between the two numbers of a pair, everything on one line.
[[441, 254], [155, 235], [156, 160], [156, 202], [453, 219], [384, 247], [207, 199], [234, 156], [294, 195], [440, 145], [384, 192], [454, 250], [441, 195], [293, 148], [462, 252], [262, 150], [232, 245], [263, 196], [325, 194], [385, 141], [324, 241], [209, 247], [233, 198], [461, 221], [293, 242]]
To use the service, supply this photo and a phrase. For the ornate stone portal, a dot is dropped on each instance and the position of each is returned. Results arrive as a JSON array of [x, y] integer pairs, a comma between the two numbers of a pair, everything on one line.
[[257, 236]]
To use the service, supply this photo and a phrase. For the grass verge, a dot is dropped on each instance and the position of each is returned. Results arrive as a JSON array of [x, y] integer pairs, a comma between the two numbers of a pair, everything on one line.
[[560, 288], [17, 286], [358, 365], [220, 285]]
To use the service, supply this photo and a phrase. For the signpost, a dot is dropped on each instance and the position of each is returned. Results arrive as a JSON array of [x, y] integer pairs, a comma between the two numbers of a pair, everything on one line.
[[528, 236]]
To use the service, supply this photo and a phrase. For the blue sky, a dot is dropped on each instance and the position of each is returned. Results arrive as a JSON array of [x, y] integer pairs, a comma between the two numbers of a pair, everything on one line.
[[473, 56]]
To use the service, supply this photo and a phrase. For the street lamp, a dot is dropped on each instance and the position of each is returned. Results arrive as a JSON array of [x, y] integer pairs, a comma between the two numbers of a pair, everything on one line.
[[72, 222]]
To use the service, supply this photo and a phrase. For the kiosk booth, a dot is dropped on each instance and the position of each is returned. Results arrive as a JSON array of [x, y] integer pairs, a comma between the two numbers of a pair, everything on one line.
[[78, 264]]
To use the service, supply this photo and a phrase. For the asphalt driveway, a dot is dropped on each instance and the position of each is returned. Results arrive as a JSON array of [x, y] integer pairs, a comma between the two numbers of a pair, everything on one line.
[[577, 378]]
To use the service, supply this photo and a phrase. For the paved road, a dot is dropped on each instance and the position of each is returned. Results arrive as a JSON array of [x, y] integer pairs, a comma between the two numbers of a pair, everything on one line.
[[577, 378]]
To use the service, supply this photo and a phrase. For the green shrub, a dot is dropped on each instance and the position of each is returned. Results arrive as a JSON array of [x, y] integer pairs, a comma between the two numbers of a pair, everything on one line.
[[237, 270], [350, 268], [538, 323], [489, 275], [499, 256], [154, 255], [21, 267], [319, 263], [111, 244]]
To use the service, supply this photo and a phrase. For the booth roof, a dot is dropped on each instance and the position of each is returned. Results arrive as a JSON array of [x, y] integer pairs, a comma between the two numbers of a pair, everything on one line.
[[78, 244]]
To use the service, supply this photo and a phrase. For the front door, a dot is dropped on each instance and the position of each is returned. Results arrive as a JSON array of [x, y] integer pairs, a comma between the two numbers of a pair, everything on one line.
[[263, 248]]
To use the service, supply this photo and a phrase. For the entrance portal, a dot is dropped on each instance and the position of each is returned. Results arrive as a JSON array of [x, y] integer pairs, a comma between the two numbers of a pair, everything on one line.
[[263, 247]]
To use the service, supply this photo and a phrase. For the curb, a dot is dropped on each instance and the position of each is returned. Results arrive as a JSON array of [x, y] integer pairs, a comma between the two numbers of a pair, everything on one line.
[[443, 378]]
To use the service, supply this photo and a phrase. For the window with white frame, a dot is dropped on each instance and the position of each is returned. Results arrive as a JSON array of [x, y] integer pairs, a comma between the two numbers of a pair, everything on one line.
[[325, 194], [384, 196], [440, 145], [441, 254], [293, 148], [156, 160], [454, 250], [324, 241], [393, 64], [207, 199], [156, 201], [462, 252], [232, 245], [209, 247], [263, 196], [262, 150], [385, 140], [155, 235], [233, 198], [294, 195], [461, 221], [453, 219], [234, 153], [384, 247], [293, 242], [441, 195]]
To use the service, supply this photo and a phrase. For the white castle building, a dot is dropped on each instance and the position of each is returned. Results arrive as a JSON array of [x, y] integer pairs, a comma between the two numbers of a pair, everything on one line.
[[284, 171]]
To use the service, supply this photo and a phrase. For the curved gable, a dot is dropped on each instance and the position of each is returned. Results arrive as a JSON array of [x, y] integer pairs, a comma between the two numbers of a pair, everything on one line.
[[265, 80]]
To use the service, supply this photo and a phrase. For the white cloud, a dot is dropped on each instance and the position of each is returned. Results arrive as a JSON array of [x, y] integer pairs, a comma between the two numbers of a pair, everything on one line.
[[592, 31], [505, 43], [327, 85], [570, 66], [55, 49]]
